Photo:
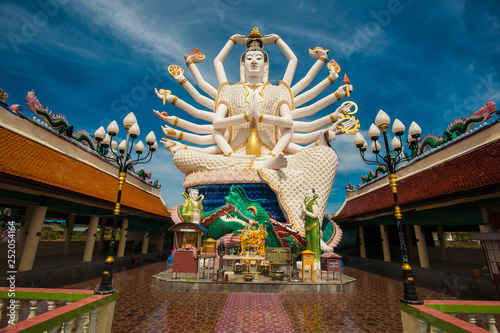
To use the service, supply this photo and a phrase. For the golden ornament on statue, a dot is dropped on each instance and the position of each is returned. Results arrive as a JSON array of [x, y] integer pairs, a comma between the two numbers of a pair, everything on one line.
[[255, 33], [352, 130], [350, 112], [175, 70], [336, 66], [164, 92]]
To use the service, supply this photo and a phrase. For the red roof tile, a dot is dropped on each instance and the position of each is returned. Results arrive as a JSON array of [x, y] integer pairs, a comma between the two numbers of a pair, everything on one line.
[[24, 158], [475, 172]]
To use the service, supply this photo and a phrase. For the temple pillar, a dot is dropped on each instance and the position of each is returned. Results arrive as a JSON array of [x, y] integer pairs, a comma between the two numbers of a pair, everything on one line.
[[161, 241], [91, 234], [362, 245], [102, 230], [443, 243], [487, 219], [422, 247], [411, 244], [21, 238], [32, 239], [385, 243], [123, 239], [69, 232], [145, 243]]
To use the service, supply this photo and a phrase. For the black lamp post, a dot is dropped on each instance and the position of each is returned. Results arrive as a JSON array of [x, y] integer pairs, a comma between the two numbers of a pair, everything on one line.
[[124, 161], [390, 161]]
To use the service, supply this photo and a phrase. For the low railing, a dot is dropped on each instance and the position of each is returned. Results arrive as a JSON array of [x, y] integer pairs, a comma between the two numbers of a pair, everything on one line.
[[66, 310], [442, 316]]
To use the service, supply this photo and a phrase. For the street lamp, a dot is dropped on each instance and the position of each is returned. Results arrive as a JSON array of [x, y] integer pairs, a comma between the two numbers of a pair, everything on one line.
[[107, 148], [390, 161]]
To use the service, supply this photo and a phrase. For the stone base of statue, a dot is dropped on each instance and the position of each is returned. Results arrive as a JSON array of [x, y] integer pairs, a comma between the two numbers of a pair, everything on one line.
[[295, 276], [221, 274], [260, 284]]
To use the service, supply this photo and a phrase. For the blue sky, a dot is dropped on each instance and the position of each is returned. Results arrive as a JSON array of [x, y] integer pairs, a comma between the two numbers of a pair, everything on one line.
[[95, 61]]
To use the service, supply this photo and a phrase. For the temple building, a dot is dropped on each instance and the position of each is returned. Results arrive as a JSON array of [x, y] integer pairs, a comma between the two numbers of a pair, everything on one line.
[[50, 172], [452, 187]]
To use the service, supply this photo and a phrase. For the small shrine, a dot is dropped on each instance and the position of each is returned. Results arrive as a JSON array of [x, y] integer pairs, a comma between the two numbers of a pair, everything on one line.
[[187, 247]]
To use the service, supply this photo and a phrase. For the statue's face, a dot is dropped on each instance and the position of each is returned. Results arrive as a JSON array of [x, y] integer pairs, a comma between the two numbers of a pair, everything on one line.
[[193, 195], [309, 194], [254, 63]]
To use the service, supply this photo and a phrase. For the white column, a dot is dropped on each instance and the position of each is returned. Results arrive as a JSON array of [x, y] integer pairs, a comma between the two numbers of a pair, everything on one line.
[[385, 243], [145, 243], [69, 232], [91, 234], [362, 245], [123, 239], [161, 241], [32, 239], [101, 233], [21, 238], [443, 243], [411, 244], [487, 226], [422, 247]]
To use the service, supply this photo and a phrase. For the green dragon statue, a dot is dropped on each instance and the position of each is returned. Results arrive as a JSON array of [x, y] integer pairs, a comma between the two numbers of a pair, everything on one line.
[[58, 122], [226, 222], [458, 127]]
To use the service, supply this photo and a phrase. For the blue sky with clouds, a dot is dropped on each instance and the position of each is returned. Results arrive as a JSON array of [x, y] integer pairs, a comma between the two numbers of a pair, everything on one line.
[[95, 61]]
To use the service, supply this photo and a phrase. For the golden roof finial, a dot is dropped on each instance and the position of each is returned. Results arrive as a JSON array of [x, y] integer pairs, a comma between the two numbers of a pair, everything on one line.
[[255, 33]]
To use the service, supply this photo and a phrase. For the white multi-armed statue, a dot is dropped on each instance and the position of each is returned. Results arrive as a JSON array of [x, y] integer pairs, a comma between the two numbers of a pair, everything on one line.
[[252, 133]]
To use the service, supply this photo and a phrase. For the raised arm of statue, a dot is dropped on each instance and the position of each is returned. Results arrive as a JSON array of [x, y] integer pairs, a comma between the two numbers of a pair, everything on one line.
[[221, 57], [224, 146], [191, 60], [286, 130], [321, 104], [165, 95], [287, 51], [324, 136], [193, 138], [322, 56], [174, 146], [199, 98], [304, 126], [284, 120], [221, 120], [314, 213], [316, 90], [184, 124]]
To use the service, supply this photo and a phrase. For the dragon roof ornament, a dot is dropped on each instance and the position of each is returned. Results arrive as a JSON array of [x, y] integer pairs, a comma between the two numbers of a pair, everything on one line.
[[456, 130], [59, 124]]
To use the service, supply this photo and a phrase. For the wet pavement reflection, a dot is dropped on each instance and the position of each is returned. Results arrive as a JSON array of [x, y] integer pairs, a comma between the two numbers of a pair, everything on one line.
[[372, 307]]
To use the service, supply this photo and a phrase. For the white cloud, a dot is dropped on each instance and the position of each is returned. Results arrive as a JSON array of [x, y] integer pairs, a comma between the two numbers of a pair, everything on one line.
[[157, 39]]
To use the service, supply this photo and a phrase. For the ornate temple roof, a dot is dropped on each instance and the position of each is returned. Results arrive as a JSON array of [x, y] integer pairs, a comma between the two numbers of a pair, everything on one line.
[[42, 162], [466, 170]]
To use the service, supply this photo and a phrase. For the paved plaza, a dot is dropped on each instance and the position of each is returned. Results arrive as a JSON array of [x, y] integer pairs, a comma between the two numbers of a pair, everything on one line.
[[372, 307]]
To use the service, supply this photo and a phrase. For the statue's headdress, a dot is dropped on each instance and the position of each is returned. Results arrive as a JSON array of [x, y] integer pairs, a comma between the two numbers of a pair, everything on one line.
[[255, 39], [254, 43]]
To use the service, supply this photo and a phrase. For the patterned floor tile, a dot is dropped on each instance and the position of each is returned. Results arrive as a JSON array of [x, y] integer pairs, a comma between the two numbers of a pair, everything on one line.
[[372, 307], [245, 312]]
